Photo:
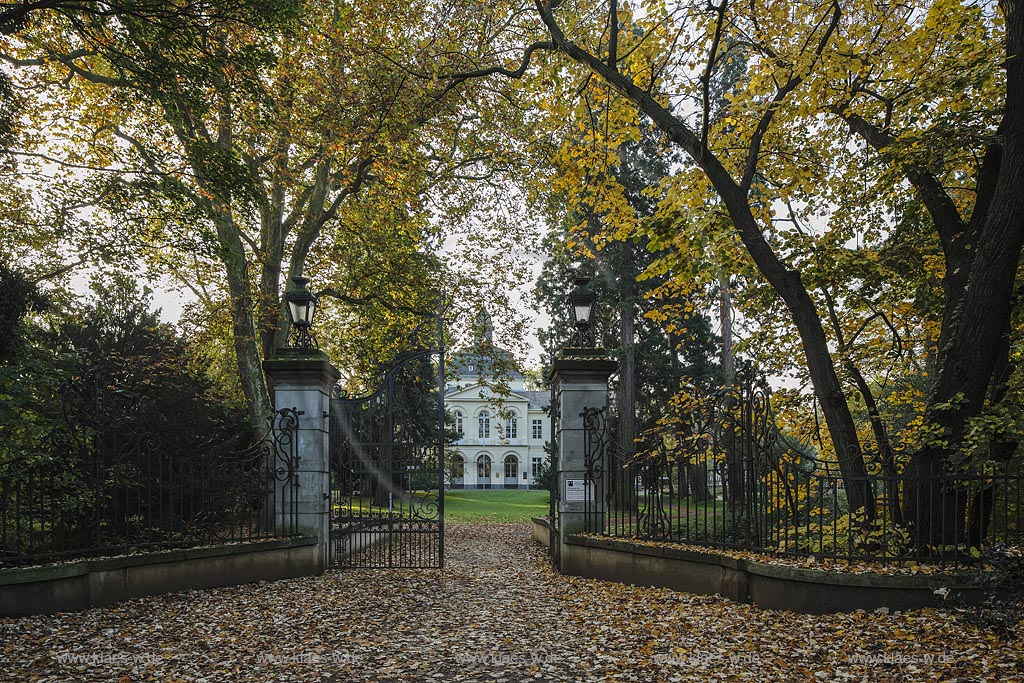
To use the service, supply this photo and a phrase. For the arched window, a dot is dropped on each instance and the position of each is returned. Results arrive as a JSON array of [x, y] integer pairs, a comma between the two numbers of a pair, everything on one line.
[[458, 467], [511, 467], [459, 427], [483, 467], [484, 428], [512, 427]]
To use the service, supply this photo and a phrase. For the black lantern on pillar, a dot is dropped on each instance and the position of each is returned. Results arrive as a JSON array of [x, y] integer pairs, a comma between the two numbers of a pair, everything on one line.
[[582, 304], [301, 305]]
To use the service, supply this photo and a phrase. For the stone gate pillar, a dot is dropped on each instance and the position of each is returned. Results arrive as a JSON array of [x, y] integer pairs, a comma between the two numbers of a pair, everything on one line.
[[302, 379], [580, 377]]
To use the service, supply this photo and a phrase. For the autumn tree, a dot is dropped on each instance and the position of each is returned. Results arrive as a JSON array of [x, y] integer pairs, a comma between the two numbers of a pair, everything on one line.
[[633, 62], [19, 296], [797, 50], [258, 149]]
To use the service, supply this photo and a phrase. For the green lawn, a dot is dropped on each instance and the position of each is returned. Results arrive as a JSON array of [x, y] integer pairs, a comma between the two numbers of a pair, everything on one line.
[[494, 505]]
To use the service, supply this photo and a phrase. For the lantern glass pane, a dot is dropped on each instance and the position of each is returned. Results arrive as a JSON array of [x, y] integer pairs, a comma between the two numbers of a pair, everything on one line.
[[297, 311], [311, 309], [582, 310]]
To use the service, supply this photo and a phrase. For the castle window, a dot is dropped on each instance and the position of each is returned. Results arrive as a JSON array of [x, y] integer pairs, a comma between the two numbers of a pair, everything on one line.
[[484, 425], [538, 429]]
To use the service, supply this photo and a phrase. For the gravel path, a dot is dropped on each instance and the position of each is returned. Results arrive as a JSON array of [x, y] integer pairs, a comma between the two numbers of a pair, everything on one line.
[[496, 613]]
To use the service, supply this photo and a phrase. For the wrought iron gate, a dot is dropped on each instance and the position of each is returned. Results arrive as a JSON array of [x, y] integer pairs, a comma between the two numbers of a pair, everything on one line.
[[554, 487], [387, 469]]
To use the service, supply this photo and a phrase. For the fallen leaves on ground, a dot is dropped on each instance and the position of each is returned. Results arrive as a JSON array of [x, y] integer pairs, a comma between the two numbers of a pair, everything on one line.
[[497, 612]]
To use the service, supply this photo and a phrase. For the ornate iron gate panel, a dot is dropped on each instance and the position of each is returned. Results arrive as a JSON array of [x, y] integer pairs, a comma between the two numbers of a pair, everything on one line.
[[387, 474]]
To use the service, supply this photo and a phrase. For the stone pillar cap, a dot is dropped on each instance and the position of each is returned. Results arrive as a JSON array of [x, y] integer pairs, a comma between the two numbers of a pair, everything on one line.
[[583, 361], [294, 363]]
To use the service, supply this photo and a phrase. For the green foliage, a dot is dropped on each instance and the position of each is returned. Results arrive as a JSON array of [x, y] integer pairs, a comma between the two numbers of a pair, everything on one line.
[[114, 338], [19, 296], [454, 465], [545, 474]]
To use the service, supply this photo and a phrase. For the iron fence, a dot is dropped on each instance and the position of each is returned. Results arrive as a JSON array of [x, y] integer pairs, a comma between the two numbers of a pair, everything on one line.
[[724, 477], [105, 483]]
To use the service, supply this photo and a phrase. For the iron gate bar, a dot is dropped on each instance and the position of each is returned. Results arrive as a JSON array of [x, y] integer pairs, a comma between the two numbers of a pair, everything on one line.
[[441, 415]]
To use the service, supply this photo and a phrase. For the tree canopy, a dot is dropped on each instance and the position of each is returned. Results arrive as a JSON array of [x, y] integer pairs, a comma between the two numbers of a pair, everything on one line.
[[836, 179], [260, 146]]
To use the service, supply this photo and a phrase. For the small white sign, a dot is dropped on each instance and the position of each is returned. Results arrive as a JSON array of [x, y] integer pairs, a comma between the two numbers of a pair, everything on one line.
[[578, 491]]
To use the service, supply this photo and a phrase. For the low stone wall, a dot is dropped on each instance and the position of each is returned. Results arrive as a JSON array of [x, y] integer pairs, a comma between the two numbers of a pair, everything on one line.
[[94, 583], [541, 530], [811, 591]]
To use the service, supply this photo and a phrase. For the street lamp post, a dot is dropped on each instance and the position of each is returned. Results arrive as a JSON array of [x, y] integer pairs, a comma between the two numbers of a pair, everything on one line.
[[301, 305]]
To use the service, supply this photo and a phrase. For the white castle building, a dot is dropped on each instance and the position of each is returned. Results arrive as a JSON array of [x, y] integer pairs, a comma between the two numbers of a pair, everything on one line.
[[501, 437]]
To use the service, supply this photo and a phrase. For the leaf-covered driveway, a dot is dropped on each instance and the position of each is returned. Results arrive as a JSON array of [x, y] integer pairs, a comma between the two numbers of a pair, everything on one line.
[[496, 613]]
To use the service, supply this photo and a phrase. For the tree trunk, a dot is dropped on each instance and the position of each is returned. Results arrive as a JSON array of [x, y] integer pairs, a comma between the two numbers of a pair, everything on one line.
[[697, 476], [733, 466], [725, 314], [270, 310], [246, 345], [622, 269], [937, 513], [243, 327], [627, 377]]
